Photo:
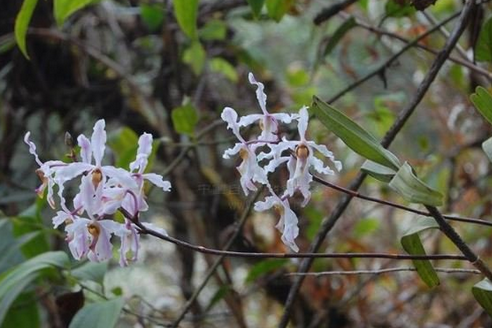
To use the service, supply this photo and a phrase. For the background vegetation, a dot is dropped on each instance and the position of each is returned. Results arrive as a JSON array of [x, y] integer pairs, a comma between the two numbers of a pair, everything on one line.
[[169, 68]]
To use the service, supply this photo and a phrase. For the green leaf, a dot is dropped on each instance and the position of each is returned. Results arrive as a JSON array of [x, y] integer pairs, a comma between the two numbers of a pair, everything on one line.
[[195, 56], [98, 315], [13, 282], [65, 8], [186, 13], [396, 9], [413, 245], [483, 102], [29, 221], [220, 65], [264, 267], [213, 30], [338, 35], [354, 136], [124, 143], [297, 77], [365, 227], [92, 271], [482, 291], [256, 6], [152, 16], [483, 49], [23, 312], [276, 9], [185, 119], [22, 23], [414, 190], [378, 171], [13, 249]]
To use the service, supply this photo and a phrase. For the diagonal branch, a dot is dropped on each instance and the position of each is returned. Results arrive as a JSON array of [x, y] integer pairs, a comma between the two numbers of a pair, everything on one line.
[[329, 223]]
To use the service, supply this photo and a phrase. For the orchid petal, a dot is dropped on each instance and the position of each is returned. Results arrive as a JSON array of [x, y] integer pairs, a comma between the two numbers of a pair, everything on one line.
[[260, 94], [98, 141], [250, 119], [158, 180], [303, 123], [32, 148], [143, 152], [85, 149]]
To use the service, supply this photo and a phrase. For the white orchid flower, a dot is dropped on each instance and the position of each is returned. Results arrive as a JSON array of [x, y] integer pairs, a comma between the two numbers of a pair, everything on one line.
[[287, 224], [268, 122], [249, 168]]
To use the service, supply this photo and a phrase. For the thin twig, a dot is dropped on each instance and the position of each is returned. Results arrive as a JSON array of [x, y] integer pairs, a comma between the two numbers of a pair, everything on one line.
[[218, 261], [463, 62], [390, 60], [448, 230], [399, 206], [213, 251], [405, 113], [377, 272]]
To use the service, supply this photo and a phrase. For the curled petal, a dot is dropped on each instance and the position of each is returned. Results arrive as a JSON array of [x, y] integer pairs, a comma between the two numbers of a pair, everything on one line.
[[267, 204], [320, 167], [158, 180], [260, 94], [323, 150], [232, 151], [32, 148], [229, 115]]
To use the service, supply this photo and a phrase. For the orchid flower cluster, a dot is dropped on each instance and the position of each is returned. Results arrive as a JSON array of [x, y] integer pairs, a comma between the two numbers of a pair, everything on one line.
[[299, 159], [104, 190]]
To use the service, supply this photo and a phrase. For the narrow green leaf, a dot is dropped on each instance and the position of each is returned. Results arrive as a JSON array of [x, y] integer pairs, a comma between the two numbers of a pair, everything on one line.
[[483, 49], [256, 6], [413, 245], [65, 8], [483, 102], [185, 119], [222, 66], [12, 295], [338, 35], [22, 24], [195, 57], [92, 271], [354, 136], [152, 16], [264, 267], [98, 315], [276, 9], [414, 190], [487, 148], [186, 13], [378, 171], [482, 291]]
